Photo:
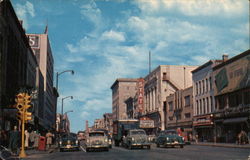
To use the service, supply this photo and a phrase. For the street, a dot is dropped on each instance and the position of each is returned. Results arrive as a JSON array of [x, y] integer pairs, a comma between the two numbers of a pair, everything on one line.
[[189, 152]]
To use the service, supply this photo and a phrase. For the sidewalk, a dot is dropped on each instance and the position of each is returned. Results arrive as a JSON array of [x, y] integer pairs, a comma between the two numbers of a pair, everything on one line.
[[33, 153], [229, 145]]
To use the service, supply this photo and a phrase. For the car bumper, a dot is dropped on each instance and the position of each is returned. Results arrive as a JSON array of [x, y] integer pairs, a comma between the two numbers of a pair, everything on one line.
[[68, 147], [140, 144], [97, 146], [174, 143]]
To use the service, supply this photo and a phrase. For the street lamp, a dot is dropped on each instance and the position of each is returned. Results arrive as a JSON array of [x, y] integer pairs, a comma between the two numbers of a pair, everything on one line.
[[68, 111], [62, 102], [58, 74]]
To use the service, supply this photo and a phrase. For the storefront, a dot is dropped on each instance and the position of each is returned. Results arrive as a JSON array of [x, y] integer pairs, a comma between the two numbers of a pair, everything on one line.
[[204, 128]]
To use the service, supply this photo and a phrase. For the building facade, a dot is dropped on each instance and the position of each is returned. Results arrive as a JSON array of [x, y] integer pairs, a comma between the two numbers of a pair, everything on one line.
[[17, 64], [159, 84], [40, 45], [232, 92], [108, 122], [122, 89], [180, 111], [204, 104]]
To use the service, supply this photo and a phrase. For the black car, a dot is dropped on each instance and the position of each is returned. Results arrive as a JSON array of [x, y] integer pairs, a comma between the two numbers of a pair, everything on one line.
[[169, 138], [68, 142]]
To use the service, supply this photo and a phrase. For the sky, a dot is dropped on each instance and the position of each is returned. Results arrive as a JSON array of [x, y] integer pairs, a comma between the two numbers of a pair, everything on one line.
[[102, 40]]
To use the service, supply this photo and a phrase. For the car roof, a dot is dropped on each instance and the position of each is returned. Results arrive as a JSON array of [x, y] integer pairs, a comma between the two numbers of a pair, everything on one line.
[[96, 132]]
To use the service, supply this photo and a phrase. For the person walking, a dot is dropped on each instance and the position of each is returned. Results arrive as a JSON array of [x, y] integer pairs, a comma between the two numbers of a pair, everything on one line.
[[49, 136], [14, 140], [32, 139], [36, 140], [27, 137]]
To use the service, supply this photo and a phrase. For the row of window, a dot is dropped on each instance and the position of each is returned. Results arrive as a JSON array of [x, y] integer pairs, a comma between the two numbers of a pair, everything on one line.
[[204, 105], [187, 103], [203, 86], [178, 117]]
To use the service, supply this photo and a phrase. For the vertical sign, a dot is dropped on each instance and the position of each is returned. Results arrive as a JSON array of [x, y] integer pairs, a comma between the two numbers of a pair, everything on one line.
[[140, 93]]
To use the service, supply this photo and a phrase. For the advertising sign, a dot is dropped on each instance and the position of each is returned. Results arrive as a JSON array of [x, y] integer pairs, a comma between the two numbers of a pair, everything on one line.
[[140, 93], [34, 41], [146, 124]]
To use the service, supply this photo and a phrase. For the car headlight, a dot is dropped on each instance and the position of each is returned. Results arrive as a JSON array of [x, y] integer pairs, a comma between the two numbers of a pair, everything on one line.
[[76, 141], [87, 140], [110, 141], [68, 142], [167, 139], [183, 138], [133, 139], [106, 140], [60, 142]]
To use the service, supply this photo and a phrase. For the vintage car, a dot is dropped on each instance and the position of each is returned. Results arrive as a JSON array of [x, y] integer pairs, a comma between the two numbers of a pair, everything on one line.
[[106, 132], [68, 142], [136, 138], [96, 140], [169, 138]]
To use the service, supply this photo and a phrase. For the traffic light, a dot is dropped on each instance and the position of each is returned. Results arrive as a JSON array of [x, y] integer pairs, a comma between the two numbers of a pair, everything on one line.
[[19, 115], [27, 101], [27, 116], [20, 101]]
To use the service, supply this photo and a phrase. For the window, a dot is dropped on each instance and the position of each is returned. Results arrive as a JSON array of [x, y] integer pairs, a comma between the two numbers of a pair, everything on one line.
[[197, 105], [246, 97], [210, 82], [170, 104], [207, 105], [170, 118], [203, 86], [187, 115], [204, 106], [187, 101], [206, 85], [178, 117], [211, 104], [197, 88], [200, 87]]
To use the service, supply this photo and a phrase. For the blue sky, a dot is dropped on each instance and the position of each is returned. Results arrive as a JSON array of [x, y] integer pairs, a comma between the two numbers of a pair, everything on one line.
[[107, 39]]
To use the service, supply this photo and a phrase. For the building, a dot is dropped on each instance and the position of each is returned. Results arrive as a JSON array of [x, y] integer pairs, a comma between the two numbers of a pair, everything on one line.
[[180, 111], [122, 89], [108, 122], [40, 45], [99, 123], [159, 84], [232, 92], [17, 64], [203, 100]]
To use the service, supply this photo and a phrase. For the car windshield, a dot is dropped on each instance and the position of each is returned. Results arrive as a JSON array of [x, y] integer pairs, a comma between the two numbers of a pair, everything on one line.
[[171, 132], [137, 132], [96, 134], [68, 137]]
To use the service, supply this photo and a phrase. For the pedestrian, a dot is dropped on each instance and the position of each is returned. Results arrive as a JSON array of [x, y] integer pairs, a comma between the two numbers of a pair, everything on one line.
[[49, 136], [32, 138], [27, 137], [196, 138], [14, 140], [3, 138], [36, 139]]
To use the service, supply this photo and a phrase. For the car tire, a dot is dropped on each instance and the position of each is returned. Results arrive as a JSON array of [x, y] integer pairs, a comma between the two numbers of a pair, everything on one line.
[[157, 145], [148, 147], [129, 146], [181, 146], [61, 150], [116, 143]]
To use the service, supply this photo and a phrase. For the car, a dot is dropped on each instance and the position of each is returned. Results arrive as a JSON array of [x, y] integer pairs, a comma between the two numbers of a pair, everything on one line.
[[68, 142], [169, 138], [136, 138], [97, 140], [108, 135]]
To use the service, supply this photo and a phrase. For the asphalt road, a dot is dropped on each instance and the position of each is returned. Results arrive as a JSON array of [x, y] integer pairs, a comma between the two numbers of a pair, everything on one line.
[[189, 152]]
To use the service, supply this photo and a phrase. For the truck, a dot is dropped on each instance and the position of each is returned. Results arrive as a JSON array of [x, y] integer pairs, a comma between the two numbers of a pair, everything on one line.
[[121, 128]]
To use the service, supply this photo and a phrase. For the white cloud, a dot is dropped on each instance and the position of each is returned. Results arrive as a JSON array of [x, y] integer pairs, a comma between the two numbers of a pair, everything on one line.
[[92, 13], [24, 11], [113, 35], [85, 114], [71, 48], [195, 7]]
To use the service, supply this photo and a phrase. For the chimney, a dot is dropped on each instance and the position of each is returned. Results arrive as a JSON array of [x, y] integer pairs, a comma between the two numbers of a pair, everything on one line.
[[224, 57]]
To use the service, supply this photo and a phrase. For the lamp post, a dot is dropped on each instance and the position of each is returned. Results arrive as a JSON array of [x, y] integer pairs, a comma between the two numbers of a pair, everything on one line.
[[64, 99], [58, 74]]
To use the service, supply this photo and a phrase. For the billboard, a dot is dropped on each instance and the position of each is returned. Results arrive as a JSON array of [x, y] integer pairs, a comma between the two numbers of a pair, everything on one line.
[[233, 76], [140, 93]]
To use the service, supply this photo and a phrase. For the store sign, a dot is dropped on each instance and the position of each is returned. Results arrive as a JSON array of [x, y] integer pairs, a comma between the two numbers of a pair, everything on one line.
[[140, 93], [146, 124], [34, 41], [203, 120]]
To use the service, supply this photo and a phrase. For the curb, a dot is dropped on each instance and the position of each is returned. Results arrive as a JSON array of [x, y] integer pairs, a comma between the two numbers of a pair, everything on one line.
[[223, 145]]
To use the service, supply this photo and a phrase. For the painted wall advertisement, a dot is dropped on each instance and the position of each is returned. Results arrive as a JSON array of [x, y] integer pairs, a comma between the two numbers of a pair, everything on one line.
[[233, 76]]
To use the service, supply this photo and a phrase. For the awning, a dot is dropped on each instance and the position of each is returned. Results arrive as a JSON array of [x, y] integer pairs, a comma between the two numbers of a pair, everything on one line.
[[235, 120]]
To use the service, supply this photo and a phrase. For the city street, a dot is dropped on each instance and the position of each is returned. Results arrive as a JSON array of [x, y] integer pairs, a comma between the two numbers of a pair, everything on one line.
[[189, 152]]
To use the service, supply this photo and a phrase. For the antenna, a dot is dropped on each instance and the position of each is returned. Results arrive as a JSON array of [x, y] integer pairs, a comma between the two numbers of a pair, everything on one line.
[[149, 63]]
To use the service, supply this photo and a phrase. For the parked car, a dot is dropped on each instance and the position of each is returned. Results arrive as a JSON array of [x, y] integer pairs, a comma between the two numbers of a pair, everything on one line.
[[136, 138], [68, 142], [169, 138], [96, 140]]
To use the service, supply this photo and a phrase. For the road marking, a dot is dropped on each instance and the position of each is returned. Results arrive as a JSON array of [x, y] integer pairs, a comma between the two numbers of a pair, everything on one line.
[[82, 149]]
